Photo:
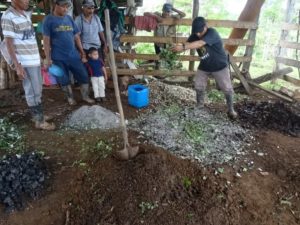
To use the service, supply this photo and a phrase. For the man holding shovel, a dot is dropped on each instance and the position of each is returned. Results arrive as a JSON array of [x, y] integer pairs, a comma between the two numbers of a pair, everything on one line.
[[213, 62]]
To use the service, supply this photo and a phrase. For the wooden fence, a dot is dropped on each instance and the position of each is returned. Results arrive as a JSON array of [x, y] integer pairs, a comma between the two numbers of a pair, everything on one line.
[[286, 45], [243, 59]]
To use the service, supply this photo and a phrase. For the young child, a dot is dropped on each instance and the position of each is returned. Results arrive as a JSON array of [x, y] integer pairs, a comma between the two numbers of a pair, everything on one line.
[[97, 72]]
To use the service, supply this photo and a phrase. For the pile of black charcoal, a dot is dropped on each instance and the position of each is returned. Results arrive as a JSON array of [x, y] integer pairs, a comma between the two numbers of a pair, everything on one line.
[[270, 115], [22, 177]]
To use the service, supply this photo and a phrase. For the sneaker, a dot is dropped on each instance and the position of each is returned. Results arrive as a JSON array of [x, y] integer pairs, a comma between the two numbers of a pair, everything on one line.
[[98, 100], [44, 125]]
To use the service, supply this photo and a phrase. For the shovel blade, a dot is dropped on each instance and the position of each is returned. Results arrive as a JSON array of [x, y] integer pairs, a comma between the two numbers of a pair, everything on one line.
[[127, 153]]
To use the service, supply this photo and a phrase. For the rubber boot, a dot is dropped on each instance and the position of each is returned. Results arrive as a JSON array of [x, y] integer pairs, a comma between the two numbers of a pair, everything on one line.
[[69, 94], [84, 89], [229, 101], [38, 118], [200, 95]]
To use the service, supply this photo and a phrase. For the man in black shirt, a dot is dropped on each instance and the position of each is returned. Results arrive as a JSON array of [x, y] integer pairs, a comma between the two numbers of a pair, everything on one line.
[[213, 62]]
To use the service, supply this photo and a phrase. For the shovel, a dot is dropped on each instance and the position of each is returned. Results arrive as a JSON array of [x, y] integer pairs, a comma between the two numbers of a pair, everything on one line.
[[128, 152]]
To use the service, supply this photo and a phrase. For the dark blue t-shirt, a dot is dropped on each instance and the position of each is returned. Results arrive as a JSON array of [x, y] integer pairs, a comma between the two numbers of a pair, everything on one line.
[[61, 31], [95, 67], [212, 55]]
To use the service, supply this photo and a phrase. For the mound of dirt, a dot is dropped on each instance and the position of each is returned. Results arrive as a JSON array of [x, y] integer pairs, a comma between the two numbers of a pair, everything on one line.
[[277, 116], [181, 194]]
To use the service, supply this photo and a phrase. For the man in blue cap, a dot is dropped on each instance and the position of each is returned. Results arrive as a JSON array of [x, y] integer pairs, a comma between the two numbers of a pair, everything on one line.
[[61, 45], [165, 30], [213, 62]]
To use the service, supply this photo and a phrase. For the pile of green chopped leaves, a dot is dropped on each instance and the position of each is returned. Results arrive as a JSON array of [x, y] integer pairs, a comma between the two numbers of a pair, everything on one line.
[[11, 138], [169, 59]]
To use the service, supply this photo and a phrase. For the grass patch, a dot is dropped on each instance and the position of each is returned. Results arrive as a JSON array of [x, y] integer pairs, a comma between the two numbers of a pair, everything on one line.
[[194, 131], [187, 183], [217, 96], [102, 149], [11, 137], [147, 206], [171, 109]]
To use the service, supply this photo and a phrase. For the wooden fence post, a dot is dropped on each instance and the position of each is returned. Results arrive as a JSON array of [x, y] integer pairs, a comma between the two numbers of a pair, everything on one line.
[[195, 14], [249, 49]]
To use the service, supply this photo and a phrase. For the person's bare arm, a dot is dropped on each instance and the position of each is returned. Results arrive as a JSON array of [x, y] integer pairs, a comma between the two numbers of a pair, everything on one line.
[[157, 17], [181, 14], [103, 40], [188, 45], [46, 41], [80, 48], [105, 73], [12, 52]]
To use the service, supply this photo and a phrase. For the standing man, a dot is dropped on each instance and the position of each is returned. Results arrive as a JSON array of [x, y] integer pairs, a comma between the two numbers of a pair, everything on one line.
[[213, 62], [91, 29], [60, 35], [21, 43], [165, 30]]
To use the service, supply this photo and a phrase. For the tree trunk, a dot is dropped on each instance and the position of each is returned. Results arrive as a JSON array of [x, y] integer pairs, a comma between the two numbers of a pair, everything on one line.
[[250, 13]]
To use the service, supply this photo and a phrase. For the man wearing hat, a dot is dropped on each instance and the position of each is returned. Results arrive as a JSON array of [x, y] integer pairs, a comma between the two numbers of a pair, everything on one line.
[[91, 29], [165, 30], [60, 34], [213, 62]]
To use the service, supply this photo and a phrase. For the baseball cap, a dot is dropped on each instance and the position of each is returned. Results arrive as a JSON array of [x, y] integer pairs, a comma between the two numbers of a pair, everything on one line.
[[198, 25], [88, 3], [63, 2], [167, 7]]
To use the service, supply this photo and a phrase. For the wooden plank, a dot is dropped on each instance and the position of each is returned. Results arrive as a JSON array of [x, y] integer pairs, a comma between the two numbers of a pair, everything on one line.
[[292, 80], [181, 57], [288, 62], [240, 76], [170, 40], [271, 92], [249, 49], [287, 44], [289, 26], [211, 23], [273, 75], [154, 72], [37, 18]]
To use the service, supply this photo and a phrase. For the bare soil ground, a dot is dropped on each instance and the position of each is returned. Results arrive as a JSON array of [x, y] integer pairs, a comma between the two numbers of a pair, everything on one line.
[[88, 186]]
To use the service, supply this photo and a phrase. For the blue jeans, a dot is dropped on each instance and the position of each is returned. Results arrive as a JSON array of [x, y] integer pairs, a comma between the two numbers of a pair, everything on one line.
[[76, 67]]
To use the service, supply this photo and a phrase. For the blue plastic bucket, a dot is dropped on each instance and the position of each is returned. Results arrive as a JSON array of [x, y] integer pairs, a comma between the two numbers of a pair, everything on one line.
[[138, 95]]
